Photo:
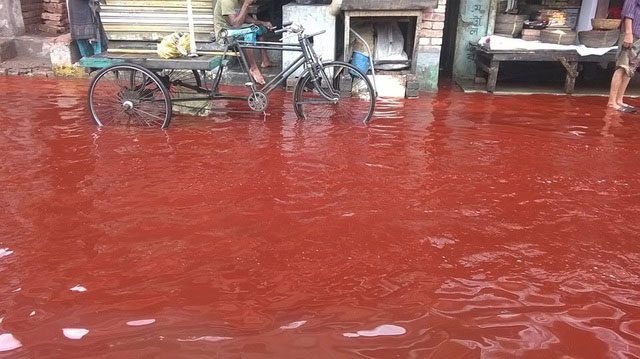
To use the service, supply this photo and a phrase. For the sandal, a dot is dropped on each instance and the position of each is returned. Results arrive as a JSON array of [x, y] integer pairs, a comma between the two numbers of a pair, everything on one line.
[[626, 109]]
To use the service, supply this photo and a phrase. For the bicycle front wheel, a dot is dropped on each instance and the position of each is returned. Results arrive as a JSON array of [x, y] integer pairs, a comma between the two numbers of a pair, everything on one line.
[[341, 91]]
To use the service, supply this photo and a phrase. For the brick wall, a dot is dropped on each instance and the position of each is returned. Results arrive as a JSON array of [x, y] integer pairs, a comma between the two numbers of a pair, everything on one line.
[[31, 13], [45, 15], [429, 46], [54, 17], [433, 25]]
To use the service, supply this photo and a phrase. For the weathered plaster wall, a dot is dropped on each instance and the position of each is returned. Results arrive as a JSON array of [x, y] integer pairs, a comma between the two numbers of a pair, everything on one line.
[[475, 21], [11, 23], [430, 45]]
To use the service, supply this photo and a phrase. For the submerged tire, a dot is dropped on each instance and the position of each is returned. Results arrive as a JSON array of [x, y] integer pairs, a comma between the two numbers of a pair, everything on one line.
[[128, 94], [354, 95]]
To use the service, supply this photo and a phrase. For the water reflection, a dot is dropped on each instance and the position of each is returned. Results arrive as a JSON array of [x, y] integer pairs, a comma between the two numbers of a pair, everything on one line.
[[612, 121], [293, 325], [141, 322], [380, 331], [210, 339], [75, 333], [5, 252], [8, 342], [78, 288]]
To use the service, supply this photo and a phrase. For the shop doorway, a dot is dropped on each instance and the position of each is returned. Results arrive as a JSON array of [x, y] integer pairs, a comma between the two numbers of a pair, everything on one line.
[[447, 53]]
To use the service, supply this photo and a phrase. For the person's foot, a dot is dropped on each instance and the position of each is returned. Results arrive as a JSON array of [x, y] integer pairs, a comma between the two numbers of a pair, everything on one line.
[[257, 76], [265, 64]]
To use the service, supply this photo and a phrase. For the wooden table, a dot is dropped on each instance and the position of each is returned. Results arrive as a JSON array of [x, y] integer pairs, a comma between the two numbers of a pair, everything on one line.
[[488, 61]]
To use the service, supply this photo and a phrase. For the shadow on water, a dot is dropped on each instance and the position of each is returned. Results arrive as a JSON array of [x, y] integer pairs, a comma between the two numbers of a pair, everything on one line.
[[451, 226]]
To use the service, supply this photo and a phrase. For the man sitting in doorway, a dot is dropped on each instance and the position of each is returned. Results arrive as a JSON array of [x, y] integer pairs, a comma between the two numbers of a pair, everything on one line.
[[230, 15]]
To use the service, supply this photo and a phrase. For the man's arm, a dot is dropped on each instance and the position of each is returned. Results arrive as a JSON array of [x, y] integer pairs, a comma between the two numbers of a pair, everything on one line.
[[251, 20], [237, 19], [628, 14], [628, 33]]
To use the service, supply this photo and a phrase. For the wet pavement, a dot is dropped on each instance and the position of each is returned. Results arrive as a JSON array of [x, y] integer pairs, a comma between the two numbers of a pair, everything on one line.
[[454, 226]]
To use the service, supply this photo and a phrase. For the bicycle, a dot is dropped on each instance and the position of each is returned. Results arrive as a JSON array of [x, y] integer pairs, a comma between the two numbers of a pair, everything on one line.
[[144, 91]]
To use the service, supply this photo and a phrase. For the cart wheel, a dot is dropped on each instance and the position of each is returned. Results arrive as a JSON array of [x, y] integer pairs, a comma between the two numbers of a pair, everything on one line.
[[353, 93], [188, 90], [129, 94]]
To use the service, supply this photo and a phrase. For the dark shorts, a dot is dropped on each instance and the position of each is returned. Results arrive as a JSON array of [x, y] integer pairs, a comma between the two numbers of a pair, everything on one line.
[[629, 59]]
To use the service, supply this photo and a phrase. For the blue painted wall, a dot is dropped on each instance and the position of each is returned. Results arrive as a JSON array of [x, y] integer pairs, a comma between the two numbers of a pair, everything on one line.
[[473, 23]]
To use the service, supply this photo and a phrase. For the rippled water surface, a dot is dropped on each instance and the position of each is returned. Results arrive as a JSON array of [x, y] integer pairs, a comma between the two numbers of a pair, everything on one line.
[[454, 226]]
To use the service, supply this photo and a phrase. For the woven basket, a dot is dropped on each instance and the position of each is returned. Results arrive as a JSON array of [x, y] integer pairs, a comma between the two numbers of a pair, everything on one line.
[[605, 24], [511, 25], [599, 38], [558, 37]]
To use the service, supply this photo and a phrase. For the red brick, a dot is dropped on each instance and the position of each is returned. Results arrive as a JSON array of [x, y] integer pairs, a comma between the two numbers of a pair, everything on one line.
[[52, 29], [438, 25], [55, 8]]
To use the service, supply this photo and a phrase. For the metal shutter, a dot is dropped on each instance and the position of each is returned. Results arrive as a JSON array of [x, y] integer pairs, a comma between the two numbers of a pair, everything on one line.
[[140, 20]]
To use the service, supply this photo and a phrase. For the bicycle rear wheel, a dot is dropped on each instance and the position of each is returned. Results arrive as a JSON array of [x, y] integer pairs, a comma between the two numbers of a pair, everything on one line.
[[131, 95], [352, 95]]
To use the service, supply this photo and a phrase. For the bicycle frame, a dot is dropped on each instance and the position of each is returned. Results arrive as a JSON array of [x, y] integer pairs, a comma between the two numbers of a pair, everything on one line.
[[307, 58], [284, 74]]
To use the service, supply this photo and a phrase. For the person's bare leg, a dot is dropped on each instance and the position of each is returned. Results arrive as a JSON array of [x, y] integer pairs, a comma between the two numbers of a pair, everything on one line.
[[616, 81], [253, 67], [622, 90], [266, 61]]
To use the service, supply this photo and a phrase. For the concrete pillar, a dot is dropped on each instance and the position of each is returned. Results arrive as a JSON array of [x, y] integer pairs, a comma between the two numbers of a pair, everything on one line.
[[473, 24], [429, 45], [11, 23]]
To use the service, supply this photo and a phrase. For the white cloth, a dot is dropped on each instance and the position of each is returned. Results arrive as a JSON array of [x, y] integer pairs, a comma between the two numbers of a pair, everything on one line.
[[494, 42]]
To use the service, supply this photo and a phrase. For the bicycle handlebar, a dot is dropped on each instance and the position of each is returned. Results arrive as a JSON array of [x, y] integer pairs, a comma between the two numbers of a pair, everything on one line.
[[316, 33], [296, 29]]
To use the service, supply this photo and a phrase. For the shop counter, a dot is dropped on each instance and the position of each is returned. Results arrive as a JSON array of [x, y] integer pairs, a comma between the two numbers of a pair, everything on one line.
[[488, 62]]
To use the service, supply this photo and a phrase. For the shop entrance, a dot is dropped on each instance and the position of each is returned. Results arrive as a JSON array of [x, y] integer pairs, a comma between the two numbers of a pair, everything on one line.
[[541, 43], [448, 51]]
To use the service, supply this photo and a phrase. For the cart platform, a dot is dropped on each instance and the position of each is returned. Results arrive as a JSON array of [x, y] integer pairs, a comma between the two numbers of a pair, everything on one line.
[[152, 61]]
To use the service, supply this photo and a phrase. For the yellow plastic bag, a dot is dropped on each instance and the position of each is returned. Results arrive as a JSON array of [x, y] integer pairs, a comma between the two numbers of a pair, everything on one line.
[[174, 46]]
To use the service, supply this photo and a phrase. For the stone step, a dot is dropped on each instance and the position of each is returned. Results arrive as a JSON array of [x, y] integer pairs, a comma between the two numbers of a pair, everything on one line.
[[26, 65], [37, 45], [7, 49]]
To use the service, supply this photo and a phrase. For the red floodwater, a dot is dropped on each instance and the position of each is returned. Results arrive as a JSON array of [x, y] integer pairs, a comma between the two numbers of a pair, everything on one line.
[[452, 226]]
